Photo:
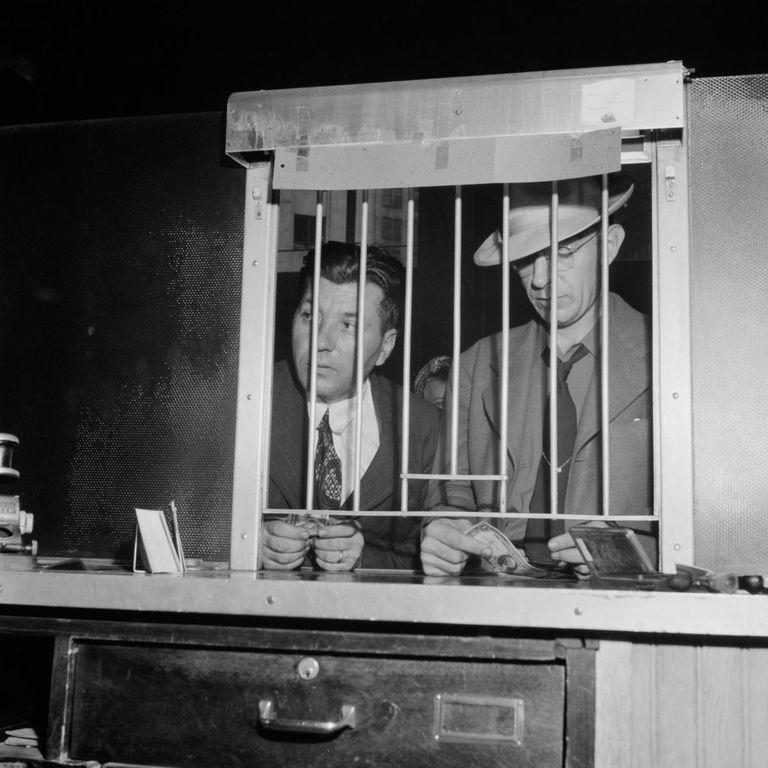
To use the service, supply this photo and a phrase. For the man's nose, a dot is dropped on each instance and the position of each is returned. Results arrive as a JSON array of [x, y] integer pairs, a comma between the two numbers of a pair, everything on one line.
[[540, 272], [325, 339]]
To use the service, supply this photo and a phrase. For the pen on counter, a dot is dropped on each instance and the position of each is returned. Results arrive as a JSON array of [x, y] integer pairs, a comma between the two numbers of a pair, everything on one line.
[[177, 537]]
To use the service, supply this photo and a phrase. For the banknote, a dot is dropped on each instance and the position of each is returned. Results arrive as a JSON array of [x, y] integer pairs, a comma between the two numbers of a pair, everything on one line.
[[309, 520], [505, 557]]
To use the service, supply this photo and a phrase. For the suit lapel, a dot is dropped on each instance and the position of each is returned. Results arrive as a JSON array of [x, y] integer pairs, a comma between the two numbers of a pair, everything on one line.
[[627, 373], [376, 485], [525, 396], [289, 434]]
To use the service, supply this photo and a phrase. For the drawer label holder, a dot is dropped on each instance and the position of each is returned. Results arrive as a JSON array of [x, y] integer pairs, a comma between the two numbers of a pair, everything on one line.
[[473, 718]]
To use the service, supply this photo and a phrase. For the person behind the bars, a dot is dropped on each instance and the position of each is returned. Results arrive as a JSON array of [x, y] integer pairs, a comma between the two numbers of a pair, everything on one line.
[[445, 547], [346, 543]]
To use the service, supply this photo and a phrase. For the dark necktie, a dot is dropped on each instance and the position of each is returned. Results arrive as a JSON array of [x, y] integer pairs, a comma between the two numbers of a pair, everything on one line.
[[327, 468], [538, 532]]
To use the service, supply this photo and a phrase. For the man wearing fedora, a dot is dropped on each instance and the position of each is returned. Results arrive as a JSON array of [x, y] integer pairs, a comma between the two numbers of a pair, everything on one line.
[[445, 546]]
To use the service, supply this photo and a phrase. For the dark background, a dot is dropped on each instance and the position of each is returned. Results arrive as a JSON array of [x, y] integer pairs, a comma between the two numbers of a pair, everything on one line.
[[79, 60], [121, 268]]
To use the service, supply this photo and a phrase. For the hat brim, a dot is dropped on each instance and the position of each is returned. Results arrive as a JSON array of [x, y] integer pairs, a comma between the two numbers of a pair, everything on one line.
[[570, 221]]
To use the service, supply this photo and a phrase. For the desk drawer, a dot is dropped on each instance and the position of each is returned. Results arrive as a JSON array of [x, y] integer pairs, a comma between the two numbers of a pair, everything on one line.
[[179, 706]]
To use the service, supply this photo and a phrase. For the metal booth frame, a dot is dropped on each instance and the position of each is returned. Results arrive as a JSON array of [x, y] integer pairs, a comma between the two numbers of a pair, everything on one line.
[[496, 129], [501, 128]]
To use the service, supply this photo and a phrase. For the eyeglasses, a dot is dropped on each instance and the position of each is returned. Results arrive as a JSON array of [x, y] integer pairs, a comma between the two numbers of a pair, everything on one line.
[[565, 254]]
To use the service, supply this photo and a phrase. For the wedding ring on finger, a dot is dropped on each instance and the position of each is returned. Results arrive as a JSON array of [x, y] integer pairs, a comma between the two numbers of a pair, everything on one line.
[[341, 556]]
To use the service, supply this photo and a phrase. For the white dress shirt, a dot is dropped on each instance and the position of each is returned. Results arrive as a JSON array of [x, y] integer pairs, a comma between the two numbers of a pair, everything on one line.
[[342, 419]]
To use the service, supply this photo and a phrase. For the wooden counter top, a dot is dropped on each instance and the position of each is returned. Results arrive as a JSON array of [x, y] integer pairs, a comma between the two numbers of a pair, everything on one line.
[[392, 597]]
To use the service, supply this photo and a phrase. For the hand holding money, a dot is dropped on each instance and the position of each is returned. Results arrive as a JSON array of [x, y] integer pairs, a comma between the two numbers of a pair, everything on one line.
[[445, 546], [505, 557], [283, 546]]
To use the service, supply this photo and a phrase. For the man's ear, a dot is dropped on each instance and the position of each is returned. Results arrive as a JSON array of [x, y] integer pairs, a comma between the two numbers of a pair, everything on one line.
[[616, 236], [387, 345]]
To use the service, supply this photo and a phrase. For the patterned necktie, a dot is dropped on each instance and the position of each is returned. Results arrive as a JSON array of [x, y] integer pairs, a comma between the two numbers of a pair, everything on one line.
[[538, 532], [327, 468]]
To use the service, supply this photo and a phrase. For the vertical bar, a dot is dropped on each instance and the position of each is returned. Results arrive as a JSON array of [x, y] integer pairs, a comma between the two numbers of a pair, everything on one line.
[[359, 352], [604, 351], [405, 433], [656, 339], [312, 431], [250, 486], [672, 437], [456, 330], [504, 347], [553, 307]]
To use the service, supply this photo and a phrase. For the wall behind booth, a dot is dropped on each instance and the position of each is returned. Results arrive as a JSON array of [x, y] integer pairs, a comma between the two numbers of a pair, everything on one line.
[[122, 246], [729, 320]]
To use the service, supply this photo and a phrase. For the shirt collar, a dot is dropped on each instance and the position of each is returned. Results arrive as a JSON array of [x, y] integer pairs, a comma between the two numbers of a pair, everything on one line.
[[342, 413], [590, 342]]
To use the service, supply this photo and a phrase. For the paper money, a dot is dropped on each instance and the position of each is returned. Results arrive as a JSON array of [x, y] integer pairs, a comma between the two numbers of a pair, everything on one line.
[[505, 557], [308, 520]]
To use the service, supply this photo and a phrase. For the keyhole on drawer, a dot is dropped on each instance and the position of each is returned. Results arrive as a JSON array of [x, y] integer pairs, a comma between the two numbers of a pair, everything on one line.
[[308, 668]]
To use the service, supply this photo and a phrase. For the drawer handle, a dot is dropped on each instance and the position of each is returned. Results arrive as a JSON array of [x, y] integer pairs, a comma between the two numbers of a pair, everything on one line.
[[269, 719]]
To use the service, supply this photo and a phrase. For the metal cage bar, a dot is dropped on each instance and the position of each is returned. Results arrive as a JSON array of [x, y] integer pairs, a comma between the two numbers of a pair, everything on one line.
[[504, 437], [455, 369], [604, 351], [483, 514], [554, 244], [361, 282], [314, 343], [407, 322]]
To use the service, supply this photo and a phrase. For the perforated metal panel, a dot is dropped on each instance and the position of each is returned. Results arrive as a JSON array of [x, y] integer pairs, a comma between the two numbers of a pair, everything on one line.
[[121, 289], [729, 294]]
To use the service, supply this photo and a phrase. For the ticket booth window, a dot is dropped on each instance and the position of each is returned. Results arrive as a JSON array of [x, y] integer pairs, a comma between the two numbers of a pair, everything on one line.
[[462, 309]]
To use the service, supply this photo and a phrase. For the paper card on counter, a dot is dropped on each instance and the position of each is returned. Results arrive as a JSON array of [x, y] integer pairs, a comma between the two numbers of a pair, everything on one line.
[[19, 741], [155, 542], [12, 752]]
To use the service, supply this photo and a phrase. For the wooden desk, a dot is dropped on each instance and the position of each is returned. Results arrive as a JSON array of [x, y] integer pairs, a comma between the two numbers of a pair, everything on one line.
[[142, 665]]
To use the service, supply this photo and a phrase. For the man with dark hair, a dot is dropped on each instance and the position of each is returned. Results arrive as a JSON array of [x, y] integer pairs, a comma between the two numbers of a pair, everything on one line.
[[345, 543]]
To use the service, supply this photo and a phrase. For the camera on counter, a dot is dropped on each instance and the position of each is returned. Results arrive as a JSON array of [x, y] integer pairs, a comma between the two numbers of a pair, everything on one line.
[[15, 524]]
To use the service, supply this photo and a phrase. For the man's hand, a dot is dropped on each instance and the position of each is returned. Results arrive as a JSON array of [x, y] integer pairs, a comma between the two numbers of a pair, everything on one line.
[[338, 546], [564, 549], [445, 546], [283, 545]]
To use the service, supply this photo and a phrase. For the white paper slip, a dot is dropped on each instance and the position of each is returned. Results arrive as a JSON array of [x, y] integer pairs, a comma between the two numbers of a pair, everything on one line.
[[155, 542], [23, 732], [12, 752], [20, 741]]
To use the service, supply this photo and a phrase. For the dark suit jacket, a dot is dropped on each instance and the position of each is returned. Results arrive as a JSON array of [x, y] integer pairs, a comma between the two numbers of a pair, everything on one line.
[[390, 542]]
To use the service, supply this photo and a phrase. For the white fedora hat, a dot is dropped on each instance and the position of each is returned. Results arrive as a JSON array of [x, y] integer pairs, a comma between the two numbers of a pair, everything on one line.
[[579, 207]]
